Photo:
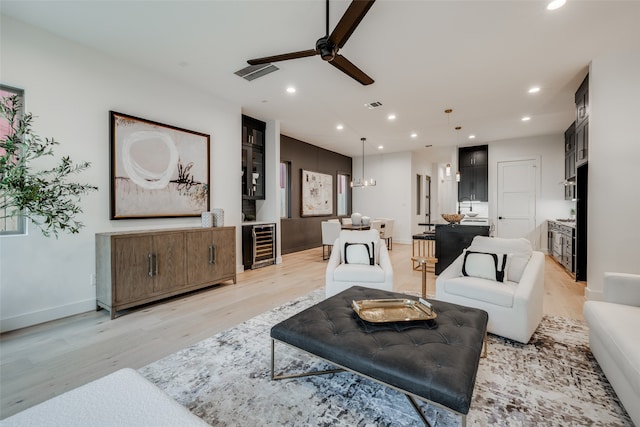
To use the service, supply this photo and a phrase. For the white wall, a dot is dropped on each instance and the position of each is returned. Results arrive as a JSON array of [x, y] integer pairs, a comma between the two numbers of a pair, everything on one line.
[[550, 203], [392, 195], [70, 90], [614, 172]]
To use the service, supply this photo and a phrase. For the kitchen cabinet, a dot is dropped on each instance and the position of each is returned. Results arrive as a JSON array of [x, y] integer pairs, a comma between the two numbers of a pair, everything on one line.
[[582, 122], [582, 143], [570, 162], [253, 158], [474, 173], [452, 239], [582, 101], [562, 236], [138, 267]]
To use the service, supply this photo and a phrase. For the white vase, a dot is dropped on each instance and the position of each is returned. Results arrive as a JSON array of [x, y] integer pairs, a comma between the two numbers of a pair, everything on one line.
[[356, 218], [207, 219], [218, 217], [365, 220]]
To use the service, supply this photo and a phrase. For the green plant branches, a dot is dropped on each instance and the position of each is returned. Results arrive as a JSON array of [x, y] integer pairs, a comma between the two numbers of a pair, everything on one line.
[[45, 196]]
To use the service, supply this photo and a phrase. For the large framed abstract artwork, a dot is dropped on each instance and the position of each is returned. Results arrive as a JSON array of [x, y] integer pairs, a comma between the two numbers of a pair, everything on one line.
[[317, 193], [157, 170]]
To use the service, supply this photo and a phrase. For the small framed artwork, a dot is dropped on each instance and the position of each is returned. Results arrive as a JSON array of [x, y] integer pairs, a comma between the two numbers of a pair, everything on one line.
[[317, 193], [157, 170]]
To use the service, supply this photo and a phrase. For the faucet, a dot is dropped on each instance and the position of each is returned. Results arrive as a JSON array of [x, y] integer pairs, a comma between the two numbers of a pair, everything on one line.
[[460, 204]]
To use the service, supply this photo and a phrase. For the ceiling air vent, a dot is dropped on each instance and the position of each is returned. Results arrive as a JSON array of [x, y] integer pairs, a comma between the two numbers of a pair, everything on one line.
[[373, 105], [252, 72]]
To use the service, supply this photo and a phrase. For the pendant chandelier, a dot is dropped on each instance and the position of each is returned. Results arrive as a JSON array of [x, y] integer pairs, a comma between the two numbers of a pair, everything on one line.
[[361, 182]]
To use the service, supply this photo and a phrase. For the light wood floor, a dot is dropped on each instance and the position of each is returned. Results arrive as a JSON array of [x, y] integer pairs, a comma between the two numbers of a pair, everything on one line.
[[43, 361]]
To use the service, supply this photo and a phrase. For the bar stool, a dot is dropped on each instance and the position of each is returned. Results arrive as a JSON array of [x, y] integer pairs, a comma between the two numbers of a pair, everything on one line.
[[424, 245], [422, 262]]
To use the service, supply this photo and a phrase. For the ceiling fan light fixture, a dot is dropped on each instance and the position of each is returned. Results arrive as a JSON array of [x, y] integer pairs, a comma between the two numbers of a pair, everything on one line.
[[326, 48]]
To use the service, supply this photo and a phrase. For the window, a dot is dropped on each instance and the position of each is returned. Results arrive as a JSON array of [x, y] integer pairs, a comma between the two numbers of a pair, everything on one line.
[[285, 189], [344, 196], [9, 223]]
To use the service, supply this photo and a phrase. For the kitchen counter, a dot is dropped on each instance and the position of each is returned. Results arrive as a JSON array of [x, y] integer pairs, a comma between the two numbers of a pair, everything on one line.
[[452, 239], [561, 242]]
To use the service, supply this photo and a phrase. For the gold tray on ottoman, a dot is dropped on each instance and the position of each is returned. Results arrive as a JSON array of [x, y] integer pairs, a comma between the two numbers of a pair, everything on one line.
[[393, 310]]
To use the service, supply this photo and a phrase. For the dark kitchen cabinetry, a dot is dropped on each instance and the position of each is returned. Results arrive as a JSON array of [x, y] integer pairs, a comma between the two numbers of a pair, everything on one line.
[[473, 164], [582, 143], [452, 239], [570, 162], [253, 158], [582, 122]]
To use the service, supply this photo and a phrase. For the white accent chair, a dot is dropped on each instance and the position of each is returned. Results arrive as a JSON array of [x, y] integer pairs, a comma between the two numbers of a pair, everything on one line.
[[330, 232], [341, 275], [614, 338], [515, 305], [376, 224]]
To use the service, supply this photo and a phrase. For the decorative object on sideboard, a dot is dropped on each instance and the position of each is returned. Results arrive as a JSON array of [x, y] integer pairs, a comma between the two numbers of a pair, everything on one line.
[[362, 182], [218, 217], [207, 219], [157, 170], [365, 220], [453, 218]]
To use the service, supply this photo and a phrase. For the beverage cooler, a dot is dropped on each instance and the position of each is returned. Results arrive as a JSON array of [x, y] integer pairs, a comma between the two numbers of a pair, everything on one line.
[[258, 245]]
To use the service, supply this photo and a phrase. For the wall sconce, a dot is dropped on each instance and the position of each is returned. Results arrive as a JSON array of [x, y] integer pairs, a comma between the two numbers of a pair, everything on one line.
[[447, 169]]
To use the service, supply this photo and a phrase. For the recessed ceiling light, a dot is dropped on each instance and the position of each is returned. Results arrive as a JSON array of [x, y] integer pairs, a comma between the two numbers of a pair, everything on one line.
[[526, 118], [414, 135], [339, 127], [556, 4], [534, 89], [380, 147], [472, 136], [291, 89], [391, 117]]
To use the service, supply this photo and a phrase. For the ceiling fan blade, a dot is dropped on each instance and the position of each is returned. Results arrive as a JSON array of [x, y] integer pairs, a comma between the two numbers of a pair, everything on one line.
[[349, 21], [347, 67], [283, 57]]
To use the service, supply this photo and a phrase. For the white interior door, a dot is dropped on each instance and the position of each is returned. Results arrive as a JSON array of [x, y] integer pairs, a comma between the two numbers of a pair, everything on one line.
[[517, 199]]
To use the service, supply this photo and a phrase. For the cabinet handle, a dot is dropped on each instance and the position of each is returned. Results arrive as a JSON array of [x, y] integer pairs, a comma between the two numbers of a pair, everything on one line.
[[156, 262], [150, 265], [215, 253], [210, 254]]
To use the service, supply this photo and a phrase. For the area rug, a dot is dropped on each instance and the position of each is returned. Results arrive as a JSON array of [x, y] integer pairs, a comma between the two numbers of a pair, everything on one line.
[[552, 381]]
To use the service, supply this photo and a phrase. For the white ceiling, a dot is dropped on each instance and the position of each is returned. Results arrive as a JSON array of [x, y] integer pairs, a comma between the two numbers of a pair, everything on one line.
[[477, 57]]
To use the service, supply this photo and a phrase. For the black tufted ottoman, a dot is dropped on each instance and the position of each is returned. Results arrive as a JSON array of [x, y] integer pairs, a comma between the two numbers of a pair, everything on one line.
[[436, 361]]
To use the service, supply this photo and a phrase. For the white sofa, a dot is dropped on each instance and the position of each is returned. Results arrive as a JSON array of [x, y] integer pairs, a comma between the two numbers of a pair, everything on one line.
[[123, 398], [614, 337], [341, 275], [515, 305]]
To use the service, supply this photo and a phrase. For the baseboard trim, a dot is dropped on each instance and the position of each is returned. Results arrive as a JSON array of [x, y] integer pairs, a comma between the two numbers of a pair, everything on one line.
[[591, 295], [42, 316]]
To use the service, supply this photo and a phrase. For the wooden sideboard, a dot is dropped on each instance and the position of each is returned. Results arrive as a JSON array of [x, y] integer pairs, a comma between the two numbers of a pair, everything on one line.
[[138, 267]]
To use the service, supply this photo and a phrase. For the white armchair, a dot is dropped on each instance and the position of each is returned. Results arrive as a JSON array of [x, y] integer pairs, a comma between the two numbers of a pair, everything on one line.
[[350, 263], [330, 232], [514, 305]]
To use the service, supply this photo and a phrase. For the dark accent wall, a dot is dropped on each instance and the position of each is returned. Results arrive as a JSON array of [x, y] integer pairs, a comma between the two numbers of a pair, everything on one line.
[[300, 233]]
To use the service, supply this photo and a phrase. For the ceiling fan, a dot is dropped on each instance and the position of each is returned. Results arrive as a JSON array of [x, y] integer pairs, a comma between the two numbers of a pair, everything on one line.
[[329, 45]]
